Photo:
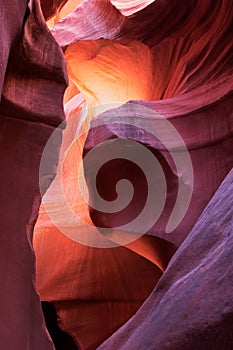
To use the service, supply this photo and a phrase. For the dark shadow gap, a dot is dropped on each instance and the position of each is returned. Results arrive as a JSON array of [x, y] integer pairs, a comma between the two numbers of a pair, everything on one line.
[[61, 340]]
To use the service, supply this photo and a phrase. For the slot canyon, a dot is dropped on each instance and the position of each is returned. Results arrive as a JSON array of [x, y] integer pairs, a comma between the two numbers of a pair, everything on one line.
[[116, 135]]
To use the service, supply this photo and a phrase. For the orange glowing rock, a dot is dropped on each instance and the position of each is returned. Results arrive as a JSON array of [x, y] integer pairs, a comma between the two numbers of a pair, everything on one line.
[[108, 72]]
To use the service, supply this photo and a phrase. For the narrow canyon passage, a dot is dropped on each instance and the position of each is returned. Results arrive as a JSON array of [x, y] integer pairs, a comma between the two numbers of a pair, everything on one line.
[[116, 184]]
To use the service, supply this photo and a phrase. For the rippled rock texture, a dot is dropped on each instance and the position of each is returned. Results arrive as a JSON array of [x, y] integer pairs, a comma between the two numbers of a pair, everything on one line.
[[147, 80], [30, 81]]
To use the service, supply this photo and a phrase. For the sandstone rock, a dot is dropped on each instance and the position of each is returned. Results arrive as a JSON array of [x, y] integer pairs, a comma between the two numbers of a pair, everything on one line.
[[31, 82], [191, 306]]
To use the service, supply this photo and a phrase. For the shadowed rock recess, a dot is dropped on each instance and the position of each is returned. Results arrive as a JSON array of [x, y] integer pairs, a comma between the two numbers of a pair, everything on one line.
[[139, 91]]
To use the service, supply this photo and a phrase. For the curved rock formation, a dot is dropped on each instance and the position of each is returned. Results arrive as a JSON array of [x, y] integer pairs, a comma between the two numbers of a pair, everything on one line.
[[191, 306], [30, 82], [177, 57]]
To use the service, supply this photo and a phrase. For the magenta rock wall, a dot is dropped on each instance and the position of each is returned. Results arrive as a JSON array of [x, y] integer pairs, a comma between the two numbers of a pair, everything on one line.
[[30, 82]]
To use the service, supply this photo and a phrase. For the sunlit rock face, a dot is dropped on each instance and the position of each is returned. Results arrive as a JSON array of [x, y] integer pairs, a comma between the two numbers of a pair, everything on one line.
[[106, 297], [122, 78], [152, 75]]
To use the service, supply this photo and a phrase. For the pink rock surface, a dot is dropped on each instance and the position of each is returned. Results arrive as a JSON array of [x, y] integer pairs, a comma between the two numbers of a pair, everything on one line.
[[191, 306]]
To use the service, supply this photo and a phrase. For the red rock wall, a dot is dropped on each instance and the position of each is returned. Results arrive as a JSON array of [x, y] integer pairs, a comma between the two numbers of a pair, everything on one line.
[[30, 80]]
